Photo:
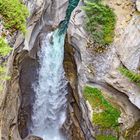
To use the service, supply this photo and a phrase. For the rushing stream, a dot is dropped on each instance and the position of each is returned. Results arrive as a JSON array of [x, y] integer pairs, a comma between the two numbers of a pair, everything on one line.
[[50, 104], [49, 108]]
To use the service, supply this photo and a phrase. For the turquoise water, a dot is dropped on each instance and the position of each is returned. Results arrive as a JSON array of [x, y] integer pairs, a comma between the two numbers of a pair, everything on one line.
[[64, 24]]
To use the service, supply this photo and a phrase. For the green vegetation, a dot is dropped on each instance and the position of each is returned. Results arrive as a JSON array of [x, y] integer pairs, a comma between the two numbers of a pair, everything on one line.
[[4, 47], [108, 115], [100, 22], [96, 1], [4, 50], [14, 15], [132, 76], [2, 73], [103, 137], [105, 116]]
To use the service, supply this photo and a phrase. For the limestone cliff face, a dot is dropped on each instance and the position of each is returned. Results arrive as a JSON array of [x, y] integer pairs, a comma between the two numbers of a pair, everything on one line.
[[23, 63], [78, 114], [17, 100], [83, 66], [100, 69]]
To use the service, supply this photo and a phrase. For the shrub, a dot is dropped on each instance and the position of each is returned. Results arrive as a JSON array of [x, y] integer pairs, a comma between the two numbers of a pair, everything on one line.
[[100, 22], [14, 14], [132, 76]]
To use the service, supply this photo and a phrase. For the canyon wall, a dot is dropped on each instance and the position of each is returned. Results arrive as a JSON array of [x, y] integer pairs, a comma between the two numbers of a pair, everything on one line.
[[99, 68], [16, 106], [83, 64]]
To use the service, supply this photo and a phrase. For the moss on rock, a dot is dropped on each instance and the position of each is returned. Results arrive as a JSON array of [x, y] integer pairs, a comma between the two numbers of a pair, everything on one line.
[[105, 116]]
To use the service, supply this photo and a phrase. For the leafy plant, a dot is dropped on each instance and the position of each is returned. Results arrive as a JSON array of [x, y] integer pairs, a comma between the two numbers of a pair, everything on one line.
[[100, 22], [132, 76], [106, 116], [14, 14]]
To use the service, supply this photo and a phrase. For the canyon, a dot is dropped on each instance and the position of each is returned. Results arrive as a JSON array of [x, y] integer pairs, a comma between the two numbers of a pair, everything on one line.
[[52, 63]]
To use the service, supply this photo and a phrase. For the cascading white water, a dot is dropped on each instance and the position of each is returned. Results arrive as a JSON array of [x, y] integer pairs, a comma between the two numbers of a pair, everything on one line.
[[49, 108]]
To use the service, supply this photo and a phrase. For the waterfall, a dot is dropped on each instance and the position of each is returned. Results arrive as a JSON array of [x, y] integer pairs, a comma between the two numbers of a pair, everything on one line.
[[49, 108]]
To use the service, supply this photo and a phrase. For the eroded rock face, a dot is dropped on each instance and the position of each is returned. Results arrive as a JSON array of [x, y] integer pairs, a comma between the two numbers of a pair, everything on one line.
[[17, 97], [128, 50], [28, 74], [78, 125], [83, 66], [101, 69]]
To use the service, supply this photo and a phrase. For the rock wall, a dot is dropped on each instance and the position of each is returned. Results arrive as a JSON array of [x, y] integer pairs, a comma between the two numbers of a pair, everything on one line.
[[100, 69], [78, 125], [83, 66], [23, 64], [16, 103]]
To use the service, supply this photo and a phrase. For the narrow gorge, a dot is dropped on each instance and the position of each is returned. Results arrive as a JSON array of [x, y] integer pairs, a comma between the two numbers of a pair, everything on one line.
[[73, 72]]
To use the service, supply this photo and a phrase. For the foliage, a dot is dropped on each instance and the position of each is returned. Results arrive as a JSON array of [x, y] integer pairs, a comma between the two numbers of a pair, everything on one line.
[[14, 14], [132, 76], [4, 51], [4, 47], [3, 73], [100, 22], [104, 137], [108, 116]]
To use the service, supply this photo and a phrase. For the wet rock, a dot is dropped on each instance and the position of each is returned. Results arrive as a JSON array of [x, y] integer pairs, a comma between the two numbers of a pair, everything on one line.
[[78, 125], [32, 137], [28, 74]]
